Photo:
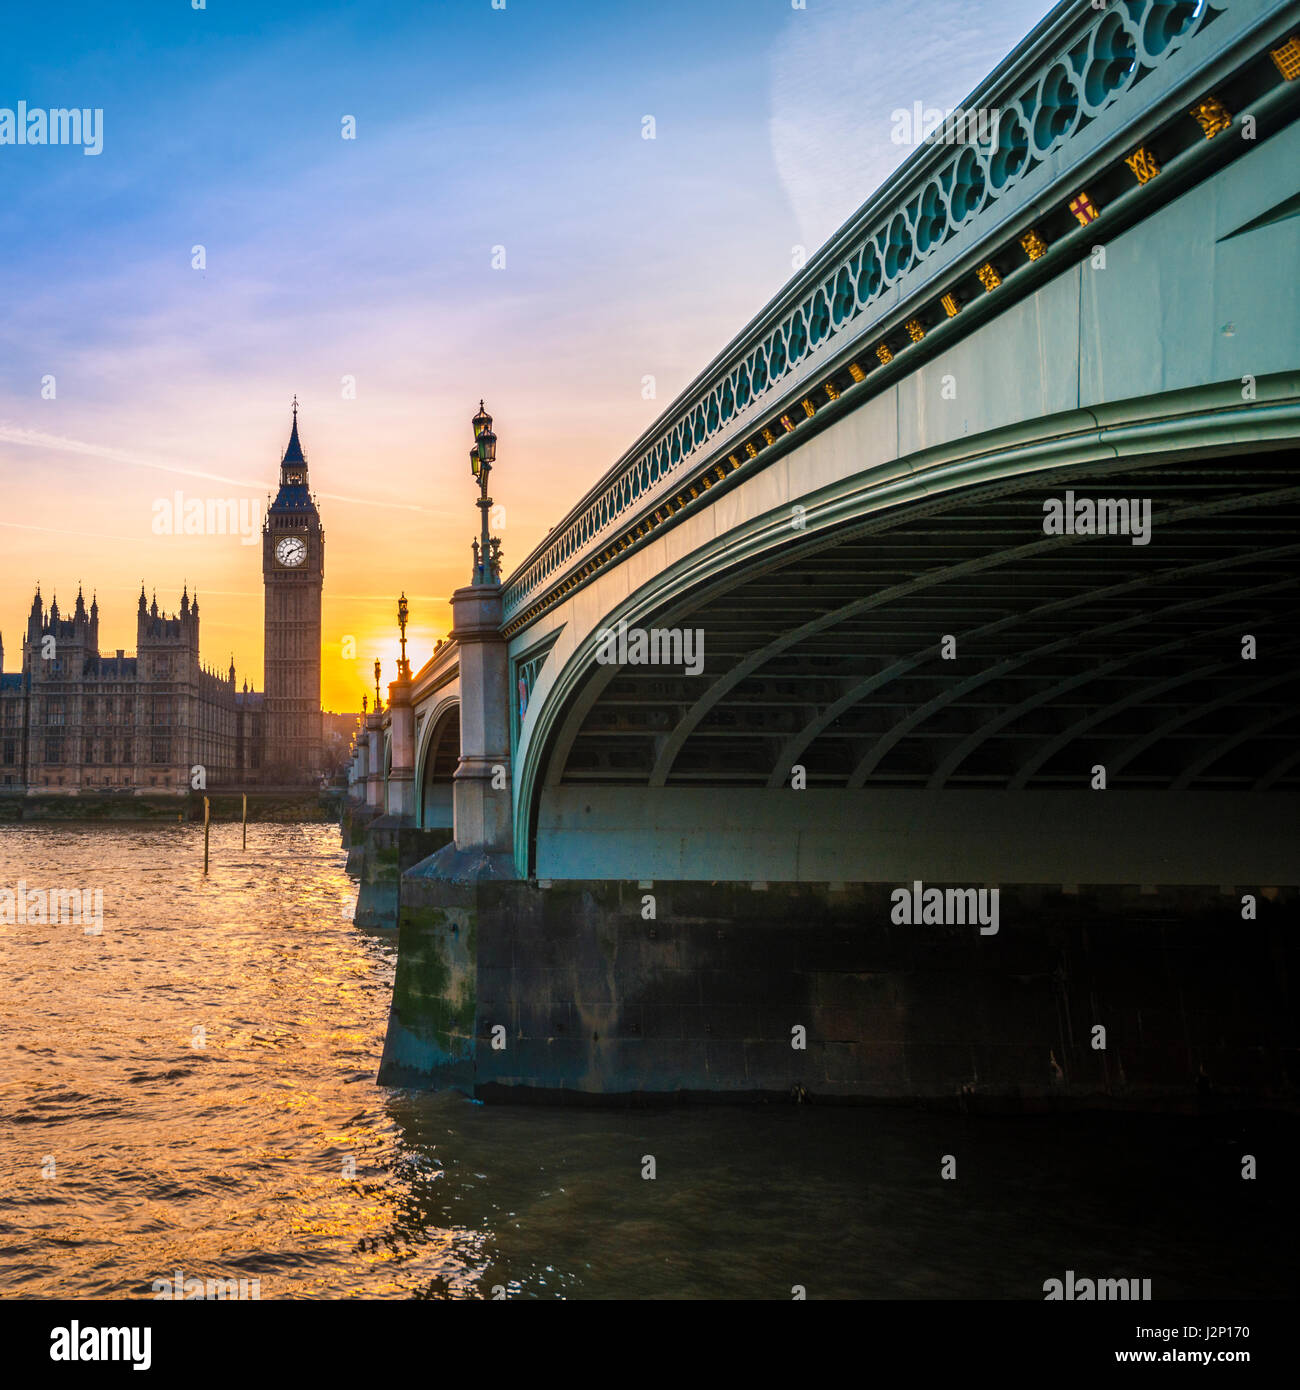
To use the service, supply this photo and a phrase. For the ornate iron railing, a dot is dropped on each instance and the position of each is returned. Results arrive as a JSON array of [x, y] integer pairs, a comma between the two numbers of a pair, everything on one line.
[[1075, 85]]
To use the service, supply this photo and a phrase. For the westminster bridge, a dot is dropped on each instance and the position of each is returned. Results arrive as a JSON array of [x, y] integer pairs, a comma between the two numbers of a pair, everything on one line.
[[971, 562]]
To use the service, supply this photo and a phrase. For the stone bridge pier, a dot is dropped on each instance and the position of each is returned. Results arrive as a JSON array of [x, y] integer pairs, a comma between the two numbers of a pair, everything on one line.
[[392, 841]]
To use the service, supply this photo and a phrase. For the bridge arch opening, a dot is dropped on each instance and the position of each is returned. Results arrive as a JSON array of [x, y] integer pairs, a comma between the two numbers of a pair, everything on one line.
[[440, 756], [959, 649]]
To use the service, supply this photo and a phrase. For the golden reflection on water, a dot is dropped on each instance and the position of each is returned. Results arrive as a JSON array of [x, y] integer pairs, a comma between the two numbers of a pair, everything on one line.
[[270, 1153], [222, 1159]]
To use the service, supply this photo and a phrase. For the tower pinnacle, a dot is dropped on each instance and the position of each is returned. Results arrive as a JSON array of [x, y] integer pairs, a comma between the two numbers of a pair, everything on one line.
[[293, 454]]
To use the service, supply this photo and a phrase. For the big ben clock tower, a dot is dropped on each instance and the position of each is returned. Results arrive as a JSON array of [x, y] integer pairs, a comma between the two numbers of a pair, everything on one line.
[[293, 570]]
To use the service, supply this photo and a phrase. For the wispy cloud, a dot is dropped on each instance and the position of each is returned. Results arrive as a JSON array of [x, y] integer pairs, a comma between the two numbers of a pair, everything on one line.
[[841, 67], [36, 439]]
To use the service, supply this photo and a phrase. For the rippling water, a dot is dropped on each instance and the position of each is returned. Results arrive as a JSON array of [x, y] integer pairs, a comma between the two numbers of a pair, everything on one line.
[[231, 1159]]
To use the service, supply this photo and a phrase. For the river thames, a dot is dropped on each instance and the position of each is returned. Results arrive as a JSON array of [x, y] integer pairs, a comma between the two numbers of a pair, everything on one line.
[[192, 1090]]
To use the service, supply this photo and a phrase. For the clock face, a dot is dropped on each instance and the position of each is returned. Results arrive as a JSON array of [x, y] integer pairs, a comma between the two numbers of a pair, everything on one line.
[[291, 551]]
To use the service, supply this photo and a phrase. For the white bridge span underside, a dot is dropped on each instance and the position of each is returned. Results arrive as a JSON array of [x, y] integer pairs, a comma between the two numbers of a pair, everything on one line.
[[1122, 368]]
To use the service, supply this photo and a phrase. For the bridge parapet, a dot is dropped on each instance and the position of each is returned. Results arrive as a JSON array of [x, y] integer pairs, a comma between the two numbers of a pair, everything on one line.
[[440, 668], [1090, 109]]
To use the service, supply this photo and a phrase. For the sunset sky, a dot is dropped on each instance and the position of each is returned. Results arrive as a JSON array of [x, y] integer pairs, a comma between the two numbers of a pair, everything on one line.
[[371, 258]]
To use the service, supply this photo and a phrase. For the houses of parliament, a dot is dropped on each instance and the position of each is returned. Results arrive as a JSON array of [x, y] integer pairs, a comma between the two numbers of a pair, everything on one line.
[[76, 720]]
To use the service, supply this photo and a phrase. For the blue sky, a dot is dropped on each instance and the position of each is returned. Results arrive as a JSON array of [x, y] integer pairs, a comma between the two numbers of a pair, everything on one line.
[[372, 258]]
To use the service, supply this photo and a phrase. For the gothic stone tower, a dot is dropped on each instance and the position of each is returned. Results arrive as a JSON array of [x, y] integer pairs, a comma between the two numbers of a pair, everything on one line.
[[293, 570]]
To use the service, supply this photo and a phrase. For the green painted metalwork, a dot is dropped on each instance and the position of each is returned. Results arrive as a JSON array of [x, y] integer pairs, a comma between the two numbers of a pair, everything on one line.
[[1069, 100]]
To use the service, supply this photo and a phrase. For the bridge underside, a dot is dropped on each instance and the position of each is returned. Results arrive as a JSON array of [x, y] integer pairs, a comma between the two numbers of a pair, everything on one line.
[[946, 683]]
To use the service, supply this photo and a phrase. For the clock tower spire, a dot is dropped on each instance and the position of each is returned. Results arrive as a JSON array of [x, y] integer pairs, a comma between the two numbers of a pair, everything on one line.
[[293, 572]]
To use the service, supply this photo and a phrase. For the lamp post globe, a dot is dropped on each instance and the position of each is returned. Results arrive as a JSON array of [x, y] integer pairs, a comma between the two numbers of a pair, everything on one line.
[[482, 456]]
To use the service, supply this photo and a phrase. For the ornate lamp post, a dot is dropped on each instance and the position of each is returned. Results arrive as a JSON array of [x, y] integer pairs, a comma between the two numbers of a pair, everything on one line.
[[378, 704], [487, 549], [403, 610]]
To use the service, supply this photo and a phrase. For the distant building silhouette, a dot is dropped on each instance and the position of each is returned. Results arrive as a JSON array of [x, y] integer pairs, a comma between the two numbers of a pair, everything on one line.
[[74, 720], [293, 572]]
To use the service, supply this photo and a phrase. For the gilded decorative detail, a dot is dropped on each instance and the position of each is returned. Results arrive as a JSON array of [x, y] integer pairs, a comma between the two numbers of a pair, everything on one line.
[[1212, 116], [1287, 58], [1144, 164]]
